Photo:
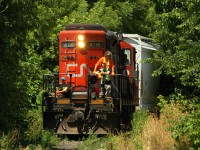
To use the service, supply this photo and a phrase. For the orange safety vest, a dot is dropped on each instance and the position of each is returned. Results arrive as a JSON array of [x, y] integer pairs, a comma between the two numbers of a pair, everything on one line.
[[109, 63]]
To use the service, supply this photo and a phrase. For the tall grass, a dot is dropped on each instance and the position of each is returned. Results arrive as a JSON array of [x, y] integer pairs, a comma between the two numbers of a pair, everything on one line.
[[176, 128], [10, 140], [149, 133], [155, 135]]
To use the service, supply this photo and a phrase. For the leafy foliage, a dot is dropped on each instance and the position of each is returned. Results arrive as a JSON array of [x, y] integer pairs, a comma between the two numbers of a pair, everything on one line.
[[34, 128], [49, 139], [15, 22], [136, 21], [9, 141], [191, 126], [138, 123], [176, 29], [181, 115]]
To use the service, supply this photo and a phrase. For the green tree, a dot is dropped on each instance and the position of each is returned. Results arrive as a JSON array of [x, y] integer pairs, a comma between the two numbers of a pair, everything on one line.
[[131, 14], [135, 21], [15, 19], [177, 29]]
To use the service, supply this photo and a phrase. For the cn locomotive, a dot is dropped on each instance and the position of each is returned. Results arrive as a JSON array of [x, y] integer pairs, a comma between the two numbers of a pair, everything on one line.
[[81, 110]]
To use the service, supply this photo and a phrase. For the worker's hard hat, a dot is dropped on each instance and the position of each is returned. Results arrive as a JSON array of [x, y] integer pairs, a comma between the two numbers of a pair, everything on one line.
[[63, 78], [108, 53]]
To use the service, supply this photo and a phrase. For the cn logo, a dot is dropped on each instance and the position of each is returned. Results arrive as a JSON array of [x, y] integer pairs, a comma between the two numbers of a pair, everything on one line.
[[82, 66]]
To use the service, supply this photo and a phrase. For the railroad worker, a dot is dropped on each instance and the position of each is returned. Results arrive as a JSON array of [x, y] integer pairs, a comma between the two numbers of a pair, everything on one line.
[[63, 90], [125, 61], [107, 59], [104, 75]]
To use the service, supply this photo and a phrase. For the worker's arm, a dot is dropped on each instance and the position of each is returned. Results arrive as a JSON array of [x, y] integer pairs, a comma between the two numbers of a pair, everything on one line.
[[113, 70], [95, 68], [97, 64], [113, 67], [61, 91]]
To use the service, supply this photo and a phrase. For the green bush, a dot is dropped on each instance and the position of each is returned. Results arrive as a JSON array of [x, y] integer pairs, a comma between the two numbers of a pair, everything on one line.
[[92, 142], [182, 115], [34, 135], [139, 119], [49, 139], [9, 141], [191, 126], [34, 127], [138, 122]]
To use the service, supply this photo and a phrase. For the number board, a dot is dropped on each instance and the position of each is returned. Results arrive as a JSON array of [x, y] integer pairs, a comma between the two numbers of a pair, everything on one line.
[[95, 44], [68, 44]]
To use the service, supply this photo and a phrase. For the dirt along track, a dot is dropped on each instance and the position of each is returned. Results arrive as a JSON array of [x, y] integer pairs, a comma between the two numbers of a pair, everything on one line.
[[70, 142], [75, 142], [68, 145]]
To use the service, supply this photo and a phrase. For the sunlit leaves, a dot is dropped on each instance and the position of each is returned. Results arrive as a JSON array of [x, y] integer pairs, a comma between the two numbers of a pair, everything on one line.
[[104, 15], [80, 14], [177, 31]]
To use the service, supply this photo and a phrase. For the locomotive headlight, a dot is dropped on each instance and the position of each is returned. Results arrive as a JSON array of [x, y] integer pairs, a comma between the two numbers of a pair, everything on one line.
[[80, 37], [81, 44]]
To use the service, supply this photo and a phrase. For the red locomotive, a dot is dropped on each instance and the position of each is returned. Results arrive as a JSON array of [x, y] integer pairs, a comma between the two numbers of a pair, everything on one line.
[[71, 102]]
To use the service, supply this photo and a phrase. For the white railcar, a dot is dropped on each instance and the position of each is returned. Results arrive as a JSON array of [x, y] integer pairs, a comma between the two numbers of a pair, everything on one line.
[[148, 85]]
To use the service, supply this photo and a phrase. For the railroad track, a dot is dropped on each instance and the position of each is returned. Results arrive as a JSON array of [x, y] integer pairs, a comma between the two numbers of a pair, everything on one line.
[[68, 145], [75, 143]]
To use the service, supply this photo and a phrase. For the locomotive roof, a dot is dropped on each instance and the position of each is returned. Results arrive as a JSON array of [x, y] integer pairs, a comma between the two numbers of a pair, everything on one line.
[[84, 27]]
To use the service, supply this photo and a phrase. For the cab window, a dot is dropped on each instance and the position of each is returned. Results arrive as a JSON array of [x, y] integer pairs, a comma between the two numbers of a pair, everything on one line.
[[126, 57]]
